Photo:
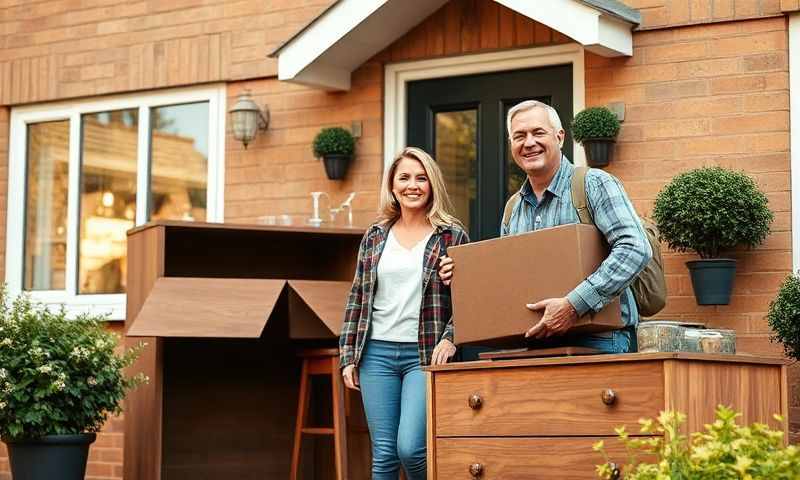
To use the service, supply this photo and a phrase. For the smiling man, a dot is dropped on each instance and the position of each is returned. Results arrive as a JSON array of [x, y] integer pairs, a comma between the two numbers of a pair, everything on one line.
[[545, 200]]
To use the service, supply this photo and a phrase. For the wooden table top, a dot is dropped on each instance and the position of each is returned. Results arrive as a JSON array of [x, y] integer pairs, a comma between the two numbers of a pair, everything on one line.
[[609, 358]]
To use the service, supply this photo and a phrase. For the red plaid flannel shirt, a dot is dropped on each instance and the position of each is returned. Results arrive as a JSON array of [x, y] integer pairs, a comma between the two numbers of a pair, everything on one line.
[[435, 318]]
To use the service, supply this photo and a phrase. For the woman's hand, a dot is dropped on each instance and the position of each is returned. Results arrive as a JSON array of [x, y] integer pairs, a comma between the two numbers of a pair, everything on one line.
[[350, 376], [446, 270], [443, 351]]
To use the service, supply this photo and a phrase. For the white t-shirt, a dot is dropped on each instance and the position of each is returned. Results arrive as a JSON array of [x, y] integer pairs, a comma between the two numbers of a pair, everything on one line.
[[398, 296]]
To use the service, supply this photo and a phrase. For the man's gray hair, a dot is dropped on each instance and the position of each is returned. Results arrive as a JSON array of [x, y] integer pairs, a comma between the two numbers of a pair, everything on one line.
[[555, 121]]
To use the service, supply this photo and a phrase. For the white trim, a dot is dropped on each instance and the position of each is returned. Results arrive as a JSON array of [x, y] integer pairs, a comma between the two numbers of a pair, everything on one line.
[[350, 32], [794, 122], [399, 74], [111, 304]]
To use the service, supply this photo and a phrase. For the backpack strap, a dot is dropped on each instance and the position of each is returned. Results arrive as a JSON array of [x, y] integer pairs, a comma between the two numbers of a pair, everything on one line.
[[509, 209], [579, 199]]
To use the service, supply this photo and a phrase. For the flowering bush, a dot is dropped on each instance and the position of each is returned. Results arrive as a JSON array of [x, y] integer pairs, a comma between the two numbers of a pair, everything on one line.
[[57, 376], [724, 451]]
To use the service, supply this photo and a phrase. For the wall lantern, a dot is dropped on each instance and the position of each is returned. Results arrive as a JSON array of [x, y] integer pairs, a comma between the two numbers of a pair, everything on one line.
[[247, 118]]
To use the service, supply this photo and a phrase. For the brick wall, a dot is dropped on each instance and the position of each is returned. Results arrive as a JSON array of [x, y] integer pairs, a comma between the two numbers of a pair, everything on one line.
[[670, 13], [57, 49], [710, 95]]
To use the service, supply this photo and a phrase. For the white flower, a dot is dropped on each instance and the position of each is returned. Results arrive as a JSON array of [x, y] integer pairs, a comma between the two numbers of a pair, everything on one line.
[[91, 381], [59, 385], [46, 368], [6, 342], [3, 373], [3, 405], [8, 388]]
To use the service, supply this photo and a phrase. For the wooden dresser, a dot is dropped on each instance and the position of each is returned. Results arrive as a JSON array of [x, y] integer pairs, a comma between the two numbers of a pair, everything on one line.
[[538, 418]]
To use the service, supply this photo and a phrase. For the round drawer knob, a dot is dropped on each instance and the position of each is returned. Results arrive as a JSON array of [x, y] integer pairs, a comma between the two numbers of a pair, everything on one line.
[[475, 402], [615, 472], [609, 396], [476, 470]]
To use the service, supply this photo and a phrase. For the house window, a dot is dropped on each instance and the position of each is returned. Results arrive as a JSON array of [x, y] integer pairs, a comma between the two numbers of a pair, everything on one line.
[[82, 174]]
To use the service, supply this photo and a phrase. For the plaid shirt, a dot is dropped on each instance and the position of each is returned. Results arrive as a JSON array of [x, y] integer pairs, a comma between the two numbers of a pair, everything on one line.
[[435, 316], [616, 219]]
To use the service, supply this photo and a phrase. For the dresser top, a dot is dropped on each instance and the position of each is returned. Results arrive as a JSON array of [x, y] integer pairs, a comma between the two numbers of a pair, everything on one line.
[[609, 358]]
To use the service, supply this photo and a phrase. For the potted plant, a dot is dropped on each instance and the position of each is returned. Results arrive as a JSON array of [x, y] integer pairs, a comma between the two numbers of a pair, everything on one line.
[[725, 450], [711, 210], [335, 146], [59, 381], [784, 316], [596, 128]]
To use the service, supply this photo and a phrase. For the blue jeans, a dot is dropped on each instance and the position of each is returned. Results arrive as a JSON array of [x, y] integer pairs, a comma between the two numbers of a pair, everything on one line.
[[393, 390]]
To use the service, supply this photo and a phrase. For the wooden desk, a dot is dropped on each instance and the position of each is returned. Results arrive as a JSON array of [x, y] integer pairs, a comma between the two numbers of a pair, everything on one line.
[[538, 418]]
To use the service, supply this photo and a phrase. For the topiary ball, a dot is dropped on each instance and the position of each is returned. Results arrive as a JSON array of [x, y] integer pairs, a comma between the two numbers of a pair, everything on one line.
[[594, 122], [710, 210], [784, 316], [333, 141]]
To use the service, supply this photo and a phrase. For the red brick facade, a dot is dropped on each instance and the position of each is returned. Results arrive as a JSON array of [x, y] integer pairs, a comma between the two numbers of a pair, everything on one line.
[[707, 84]]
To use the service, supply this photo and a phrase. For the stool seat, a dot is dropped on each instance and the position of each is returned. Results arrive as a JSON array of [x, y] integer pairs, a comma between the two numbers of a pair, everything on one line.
[[321, 361]]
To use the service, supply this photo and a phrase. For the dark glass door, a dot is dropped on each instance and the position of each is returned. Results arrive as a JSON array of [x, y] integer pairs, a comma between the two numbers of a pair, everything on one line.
[[461, 122]]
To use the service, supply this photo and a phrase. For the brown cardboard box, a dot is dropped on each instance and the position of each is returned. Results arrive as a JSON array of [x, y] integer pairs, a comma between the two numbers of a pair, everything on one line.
[[494, 279]]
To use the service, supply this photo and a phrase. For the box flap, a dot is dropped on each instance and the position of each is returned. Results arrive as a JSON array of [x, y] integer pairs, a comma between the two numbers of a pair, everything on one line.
[[207, 307], [316, 308]]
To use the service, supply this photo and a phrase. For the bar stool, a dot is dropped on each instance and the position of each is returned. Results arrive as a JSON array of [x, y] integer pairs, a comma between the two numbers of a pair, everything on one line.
[[321, 361]]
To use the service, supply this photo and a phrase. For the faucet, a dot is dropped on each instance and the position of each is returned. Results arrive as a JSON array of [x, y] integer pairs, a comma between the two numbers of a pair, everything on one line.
[[348, 205], [315, 219]]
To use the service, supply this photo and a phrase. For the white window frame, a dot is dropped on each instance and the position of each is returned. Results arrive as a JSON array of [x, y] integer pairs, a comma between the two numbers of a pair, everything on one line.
[[112, 305], [794, 133], [397, 76]]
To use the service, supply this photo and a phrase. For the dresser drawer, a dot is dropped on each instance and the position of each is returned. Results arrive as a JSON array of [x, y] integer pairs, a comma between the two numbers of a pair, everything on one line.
[[522, 458], [552, 400]]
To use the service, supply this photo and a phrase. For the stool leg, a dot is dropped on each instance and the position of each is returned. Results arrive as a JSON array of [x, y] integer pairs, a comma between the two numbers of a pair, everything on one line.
[[302, 411], [339, 424]]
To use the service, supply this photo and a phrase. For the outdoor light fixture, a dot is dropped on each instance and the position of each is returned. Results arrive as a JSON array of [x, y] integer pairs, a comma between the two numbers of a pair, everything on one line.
[[247, 118]]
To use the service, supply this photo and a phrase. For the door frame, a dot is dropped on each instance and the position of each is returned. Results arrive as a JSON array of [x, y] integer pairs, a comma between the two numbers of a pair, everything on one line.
[[397, 75]]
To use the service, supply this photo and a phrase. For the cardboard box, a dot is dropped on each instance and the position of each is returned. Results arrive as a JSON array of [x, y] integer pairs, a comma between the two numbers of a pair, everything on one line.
[[494, 280]]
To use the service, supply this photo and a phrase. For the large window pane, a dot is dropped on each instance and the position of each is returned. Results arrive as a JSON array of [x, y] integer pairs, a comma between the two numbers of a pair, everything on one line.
[[108, 198], [46, 206], [179, 162], [456, 153]]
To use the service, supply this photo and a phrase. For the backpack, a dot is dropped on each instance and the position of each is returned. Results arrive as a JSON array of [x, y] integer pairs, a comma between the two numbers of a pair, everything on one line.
[[650, 286]]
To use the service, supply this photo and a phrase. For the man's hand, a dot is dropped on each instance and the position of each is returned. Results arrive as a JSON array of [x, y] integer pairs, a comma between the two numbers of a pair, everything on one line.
[[446, 270], [559, 316]]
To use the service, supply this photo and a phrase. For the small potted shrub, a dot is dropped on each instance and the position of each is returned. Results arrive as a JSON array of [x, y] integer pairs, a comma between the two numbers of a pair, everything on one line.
[[725, 450], [784, 316], [335, 146], [59, 381], [596, 128], [712, 210]]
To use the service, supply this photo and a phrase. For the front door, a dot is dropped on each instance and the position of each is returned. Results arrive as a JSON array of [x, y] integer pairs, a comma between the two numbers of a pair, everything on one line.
[[461, 122]]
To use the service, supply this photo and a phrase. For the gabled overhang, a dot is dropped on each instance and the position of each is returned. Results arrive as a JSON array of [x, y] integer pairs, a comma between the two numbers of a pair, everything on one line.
[[350, 32]]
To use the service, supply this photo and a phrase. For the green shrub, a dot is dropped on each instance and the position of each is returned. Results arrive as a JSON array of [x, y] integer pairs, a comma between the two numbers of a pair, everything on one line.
[[333, 141], [784, 316], [594, 122], [57, 376], [724, 451], [710, 210]]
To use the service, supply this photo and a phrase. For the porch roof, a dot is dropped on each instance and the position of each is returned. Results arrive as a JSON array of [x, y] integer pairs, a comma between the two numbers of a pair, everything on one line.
[[327, 50]]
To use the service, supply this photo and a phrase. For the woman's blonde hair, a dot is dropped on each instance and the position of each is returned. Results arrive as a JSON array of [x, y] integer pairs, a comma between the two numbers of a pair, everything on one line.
[[440, 208]]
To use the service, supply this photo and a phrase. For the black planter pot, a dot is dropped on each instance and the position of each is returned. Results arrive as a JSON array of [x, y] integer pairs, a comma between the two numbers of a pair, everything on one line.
[[712, 280], [61, 457], [599, 151], [336, 165]]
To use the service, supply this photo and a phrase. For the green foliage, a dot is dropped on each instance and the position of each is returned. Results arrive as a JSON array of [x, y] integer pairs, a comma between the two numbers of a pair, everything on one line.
[[784, 316], [594, 122], [57, 376], [710, 210], [332, 141], [724, 451]]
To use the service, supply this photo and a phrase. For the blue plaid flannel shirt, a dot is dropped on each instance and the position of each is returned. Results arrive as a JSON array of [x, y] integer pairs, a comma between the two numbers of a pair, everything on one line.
[[616, 219]]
